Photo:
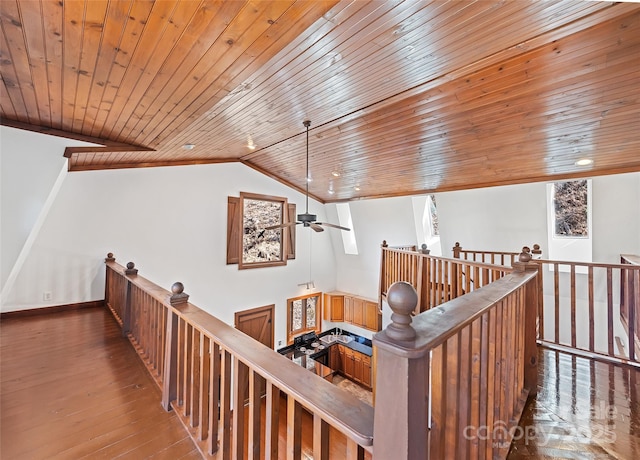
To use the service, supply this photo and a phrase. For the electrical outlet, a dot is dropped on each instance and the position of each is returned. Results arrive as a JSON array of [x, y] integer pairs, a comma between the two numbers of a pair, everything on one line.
[[47, 295], [279, 342]]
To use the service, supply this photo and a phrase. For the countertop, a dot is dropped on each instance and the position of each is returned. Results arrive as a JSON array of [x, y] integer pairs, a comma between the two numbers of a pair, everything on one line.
[[314, 366]]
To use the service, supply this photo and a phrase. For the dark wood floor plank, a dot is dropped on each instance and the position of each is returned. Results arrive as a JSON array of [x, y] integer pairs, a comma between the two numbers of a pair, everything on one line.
[[583, 410], [72, 387]]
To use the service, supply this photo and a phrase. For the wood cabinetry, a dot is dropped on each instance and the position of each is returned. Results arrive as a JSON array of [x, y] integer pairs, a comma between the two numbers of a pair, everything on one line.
[[353, 365], [335, 360], [334, 307], [361, 312]]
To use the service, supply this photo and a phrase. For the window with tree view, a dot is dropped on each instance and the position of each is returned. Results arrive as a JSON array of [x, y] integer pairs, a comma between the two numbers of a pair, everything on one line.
[[570, 201], [303, 315]]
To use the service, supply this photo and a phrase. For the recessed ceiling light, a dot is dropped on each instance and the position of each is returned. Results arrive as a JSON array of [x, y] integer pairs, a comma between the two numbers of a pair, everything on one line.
[[357, 188], [250, 144], [188, 146], [584, 162], [331, 191], [335, 173]]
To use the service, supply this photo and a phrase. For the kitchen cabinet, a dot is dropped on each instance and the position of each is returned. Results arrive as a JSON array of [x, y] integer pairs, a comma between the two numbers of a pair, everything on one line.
[[352, 309], [372, 316], [366, 371], [335, 361], [334, 307], [348, 309], [354, 365], [358, 311]]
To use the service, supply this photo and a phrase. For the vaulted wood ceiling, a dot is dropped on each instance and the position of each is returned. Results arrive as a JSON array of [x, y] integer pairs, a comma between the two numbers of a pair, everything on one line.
[[403, 96]]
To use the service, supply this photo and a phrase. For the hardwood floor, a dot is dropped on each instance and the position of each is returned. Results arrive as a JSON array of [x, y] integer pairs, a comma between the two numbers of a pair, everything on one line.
[[584, 410], [72, 387]]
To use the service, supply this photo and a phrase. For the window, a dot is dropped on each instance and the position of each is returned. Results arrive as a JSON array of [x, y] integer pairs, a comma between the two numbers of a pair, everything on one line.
[[303, 315], [569, 221], [425, 215], [348, 238], [570, 209]]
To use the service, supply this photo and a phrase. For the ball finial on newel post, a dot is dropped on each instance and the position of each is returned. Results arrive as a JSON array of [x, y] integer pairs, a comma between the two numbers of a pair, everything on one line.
[[525, 255], [384, 244], [109, 257], [403, 299], [131, 270], [178, 296], [456, 250]]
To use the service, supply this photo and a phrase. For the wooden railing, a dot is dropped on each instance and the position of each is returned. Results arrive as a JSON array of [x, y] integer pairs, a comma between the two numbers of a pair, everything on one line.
[[470, 363], [491, 257], [590, 309], [436, 279], [207, 370]]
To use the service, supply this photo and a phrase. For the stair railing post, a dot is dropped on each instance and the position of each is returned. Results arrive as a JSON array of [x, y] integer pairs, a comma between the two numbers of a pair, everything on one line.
[[456, 250], [401, 424], [525, 263], [131, 270], [170, 377]]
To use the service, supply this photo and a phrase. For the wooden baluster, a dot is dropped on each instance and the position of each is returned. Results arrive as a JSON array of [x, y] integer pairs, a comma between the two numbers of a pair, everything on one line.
[[169, 380], [225, 404], [195, 378], [556, 296], [610, 311], [294, 429], [205, 387], [573, 305], [402, 383], [591, 311], [320, 438], [241, 376], [215, 400], [272, 423], [255, 393]]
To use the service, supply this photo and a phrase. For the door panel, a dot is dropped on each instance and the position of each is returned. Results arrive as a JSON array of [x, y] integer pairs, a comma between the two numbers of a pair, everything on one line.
[[257, 323]]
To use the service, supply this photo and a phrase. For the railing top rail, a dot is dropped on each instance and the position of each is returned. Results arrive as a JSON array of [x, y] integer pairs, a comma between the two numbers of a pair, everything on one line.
[[633, 259], [351, 416], [472, 263], [515, 253], [433, 327], [588, 264]]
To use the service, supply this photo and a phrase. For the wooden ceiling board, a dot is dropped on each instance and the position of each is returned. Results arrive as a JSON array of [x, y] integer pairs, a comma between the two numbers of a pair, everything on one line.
[[403, 96]]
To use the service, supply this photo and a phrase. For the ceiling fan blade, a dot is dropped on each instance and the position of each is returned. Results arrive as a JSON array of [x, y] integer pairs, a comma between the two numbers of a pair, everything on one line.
[[316, 227], [287, 224], [334, 226]]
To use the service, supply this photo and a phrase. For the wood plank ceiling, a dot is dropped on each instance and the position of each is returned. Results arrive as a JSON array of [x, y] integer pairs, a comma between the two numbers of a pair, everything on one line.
[[404, 96]]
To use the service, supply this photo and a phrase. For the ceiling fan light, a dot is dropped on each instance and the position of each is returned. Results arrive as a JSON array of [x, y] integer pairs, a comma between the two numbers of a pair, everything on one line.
[[331, 191], [188, 146]]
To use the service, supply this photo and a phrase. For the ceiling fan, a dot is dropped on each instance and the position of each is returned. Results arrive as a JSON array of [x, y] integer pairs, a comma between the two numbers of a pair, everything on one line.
[[306, 219]]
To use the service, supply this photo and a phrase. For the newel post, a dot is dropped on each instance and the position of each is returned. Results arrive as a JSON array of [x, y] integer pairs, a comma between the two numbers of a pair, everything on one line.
[[525, 264], [401, 424], [456, 250], [170, 377], [131, 270]]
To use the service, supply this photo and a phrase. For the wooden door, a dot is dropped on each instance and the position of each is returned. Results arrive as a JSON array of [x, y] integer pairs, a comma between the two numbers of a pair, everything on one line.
[[257, 323]]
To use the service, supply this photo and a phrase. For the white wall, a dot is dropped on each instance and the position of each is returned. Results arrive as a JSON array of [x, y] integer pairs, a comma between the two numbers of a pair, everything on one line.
[[30, 165], [171, 222]]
